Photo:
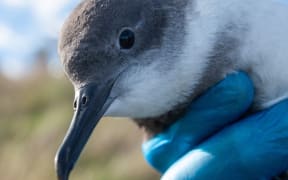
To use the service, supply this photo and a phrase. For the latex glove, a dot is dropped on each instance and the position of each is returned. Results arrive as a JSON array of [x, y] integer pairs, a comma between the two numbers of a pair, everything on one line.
[[237, 152]]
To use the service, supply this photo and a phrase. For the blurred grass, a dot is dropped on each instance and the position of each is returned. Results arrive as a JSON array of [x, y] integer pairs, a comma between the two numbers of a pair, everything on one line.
[[35, 114]]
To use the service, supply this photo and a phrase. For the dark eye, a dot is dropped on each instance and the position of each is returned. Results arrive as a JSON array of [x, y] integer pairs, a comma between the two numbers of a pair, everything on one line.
[[126, 39]]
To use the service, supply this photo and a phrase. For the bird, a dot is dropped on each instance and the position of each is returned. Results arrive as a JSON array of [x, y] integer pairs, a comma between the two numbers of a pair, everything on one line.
[[148, 59]]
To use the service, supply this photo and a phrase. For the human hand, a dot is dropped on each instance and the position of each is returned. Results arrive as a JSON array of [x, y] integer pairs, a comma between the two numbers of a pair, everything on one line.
[[253, 148]]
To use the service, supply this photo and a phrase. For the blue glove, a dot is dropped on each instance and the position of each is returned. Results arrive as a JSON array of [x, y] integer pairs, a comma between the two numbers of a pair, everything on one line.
[[197, 146]]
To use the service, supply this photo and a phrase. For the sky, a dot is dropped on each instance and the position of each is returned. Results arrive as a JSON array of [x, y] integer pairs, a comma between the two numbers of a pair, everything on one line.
[[25, 26]]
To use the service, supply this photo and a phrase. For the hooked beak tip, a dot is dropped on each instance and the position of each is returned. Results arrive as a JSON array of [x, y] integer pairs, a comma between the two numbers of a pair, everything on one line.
[[62, 168]]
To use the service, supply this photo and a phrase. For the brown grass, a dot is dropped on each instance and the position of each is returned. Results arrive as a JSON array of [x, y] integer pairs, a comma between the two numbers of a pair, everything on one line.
[[35, 114]]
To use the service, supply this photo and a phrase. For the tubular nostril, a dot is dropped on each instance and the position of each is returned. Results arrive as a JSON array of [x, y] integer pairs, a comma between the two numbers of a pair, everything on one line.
[[75, 105], [84, 100]]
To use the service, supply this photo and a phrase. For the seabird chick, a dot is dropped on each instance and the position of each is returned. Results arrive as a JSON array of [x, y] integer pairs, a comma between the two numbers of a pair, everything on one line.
[[148, 59]]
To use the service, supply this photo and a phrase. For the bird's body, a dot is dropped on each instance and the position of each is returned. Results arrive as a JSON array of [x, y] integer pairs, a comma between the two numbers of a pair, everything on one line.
[[250, 35], [181, 48]]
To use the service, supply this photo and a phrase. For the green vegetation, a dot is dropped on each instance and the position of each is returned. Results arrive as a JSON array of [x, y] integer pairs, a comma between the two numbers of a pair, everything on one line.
[[35, 114]]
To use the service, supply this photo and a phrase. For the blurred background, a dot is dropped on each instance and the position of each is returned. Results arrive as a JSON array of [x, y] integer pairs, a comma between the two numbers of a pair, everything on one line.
[[36, 103]]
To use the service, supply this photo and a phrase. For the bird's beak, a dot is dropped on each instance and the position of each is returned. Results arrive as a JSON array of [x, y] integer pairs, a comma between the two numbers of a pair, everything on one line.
[[91, 103]]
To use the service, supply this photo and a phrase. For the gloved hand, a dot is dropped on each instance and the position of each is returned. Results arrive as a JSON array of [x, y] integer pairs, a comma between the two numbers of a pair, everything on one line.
[[204, 144]]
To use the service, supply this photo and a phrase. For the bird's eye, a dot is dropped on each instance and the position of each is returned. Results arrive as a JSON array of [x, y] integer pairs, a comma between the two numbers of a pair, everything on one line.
[[126, 39]]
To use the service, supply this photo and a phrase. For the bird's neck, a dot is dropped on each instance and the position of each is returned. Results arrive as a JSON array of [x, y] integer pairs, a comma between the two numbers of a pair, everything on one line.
[[155, 125]]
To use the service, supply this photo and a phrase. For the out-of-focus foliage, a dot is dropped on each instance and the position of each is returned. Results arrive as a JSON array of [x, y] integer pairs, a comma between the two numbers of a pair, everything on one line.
[[35, 113]]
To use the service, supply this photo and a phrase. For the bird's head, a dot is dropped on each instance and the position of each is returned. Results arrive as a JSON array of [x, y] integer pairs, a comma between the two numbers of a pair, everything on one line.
[[129, 47], [121, 56]]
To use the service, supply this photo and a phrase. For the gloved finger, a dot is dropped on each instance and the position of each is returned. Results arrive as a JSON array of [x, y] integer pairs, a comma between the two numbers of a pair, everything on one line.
[[219, 106], [255, 148]]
